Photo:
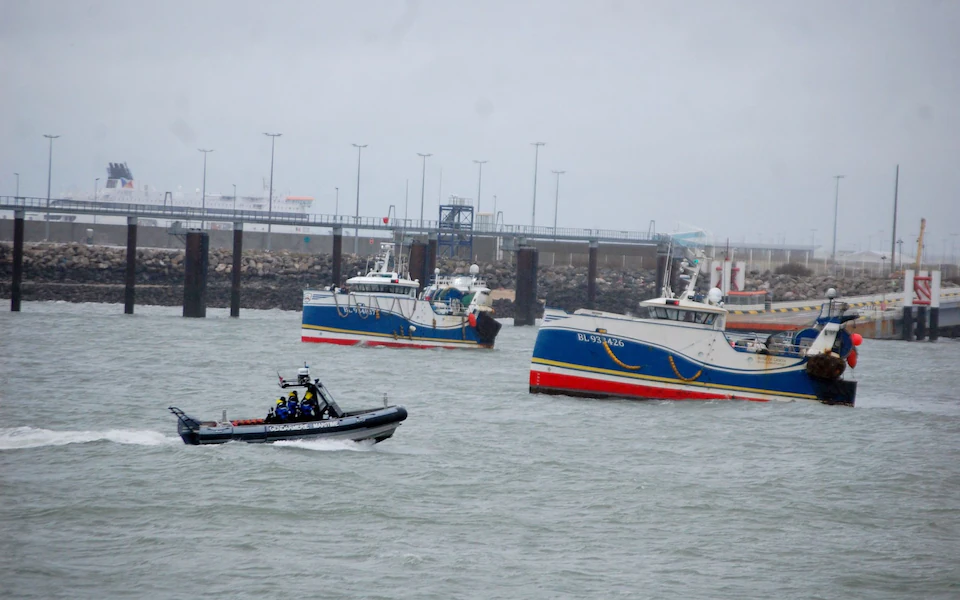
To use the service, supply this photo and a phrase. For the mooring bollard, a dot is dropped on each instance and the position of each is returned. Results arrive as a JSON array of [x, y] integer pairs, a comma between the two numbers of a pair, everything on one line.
[[195, 274], [131, 274], [18, 217], [237, 264], [525, 303], [337, 256]]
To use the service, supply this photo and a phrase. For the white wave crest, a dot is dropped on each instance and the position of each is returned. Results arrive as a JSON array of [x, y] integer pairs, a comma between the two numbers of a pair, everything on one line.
[[31, 437], [327, 445]]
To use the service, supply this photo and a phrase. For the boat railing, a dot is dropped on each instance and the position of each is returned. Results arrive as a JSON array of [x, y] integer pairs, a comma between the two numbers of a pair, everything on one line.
[[451, 280], [776, 344], [449, 306]]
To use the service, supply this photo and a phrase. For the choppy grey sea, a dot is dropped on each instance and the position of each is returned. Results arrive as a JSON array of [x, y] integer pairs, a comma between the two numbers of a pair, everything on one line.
[[484, 492]]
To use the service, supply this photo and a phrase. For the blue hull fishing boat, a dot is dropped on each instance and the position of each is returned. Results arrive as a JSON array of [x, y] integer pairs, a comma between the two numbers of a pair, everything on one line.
[[383, 308], [677, 348]]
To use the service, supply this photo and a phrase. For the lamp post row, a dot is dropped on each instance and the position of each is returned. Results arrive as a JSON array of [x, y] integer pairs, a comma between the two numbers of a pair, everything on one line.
[[424, 156], [359, 147]]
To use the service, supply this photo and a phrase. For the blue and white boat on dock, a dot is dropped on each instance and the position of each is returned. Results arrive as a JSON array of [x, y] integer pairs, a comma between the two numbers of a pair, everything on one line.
[[384, 308], [677, 348]]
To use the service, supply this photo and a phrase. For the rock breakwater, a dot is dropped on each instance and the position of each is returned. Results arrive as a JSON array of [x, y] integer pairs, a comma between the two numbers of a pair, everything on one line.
[[81, 273]]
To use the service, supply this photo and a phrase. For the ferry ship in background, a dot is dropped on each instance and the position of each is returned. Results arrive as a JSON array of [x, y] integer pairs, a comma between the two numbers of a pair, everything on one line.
[[122, 188]]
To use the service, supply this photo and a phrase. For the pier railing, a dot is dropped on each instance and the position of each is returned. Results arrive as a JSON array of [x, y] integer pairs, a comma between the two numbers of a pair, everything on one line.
[[412, 226]]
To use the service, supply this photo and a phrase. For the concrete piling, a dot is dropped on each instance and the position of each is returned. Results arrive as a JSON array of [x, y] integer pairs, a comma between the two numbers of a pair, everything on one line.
[[906, 328], [921, 321], [15, 291], [417, 262], [908, 292], [337, 256], [431, 257], [525, 310], [237, 264], [592, 275], [130, 280], [934, 306], [661, 269], [195, 274]]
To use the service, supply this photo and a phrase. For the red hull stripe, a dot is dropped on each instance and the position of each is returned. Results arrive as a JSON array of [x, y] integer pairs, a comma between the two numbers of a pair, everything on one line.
[[342, 342], [586, 385]]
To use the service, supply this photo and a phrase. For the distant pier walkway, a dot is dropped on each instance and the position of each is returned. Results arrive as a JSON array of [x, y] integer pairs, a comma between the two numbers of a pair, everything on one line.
[[407, 226]]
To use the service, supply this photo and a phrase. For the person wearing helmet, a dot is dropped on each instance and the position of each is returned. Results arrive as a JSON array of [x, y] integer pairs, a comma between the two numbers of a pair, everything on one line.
[[309, 407], [280, 410], [293, 406]]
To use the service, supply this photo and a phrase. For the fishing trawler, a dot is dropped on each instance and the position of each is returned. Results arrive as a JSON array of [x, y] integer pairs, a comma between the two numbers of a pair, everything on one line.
[[383, 308], [677, 348]]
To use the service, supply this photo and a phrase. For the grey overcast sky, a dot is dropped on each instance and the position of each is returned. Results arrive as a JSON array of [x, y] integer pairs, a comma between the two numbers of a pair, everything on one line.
[[732, 116]]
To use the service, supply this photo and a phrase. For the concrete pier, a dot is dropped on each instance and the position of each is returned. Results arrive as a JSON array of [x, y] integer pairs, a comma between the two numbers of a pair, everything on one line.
[[15, 291], [130, 280], [195, 275], [592, 275], [337, 256], [235, 273], [525, 309]]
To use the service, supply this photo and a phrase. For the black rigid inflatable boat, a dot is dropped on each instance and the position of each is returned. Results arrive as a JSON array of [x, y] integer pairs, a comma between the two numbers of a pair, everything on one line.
[[330, 422]]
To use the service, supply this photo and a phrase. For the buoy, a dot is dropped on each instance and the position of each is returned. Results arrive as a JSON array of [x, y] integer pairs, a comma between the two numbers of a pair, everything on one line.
[[473, 320], [857, 339], [852, 358]]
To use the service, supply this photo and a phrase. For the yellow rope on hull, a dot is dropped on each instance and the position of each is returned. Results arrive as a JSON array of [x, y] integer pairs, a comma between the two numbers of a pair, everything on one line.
[[613, 357], [673, 366]]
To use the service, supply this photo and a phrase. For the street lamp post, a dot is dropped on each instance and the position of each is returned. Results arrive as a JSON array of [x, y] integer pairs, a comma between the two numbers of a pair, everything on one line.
[[556, 203], [18, 185], [423, 181], [203, 199], [46, 230], [836, 205], [479, 181], [356, 222], [336, 202], [234, 200], [536, 158], [273, 139], [96, 186]]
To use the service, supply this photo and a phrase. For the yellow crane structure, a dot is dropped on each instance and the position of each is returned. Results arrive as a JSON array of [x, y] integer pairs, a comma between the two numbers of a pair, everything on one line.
[[923, 226]]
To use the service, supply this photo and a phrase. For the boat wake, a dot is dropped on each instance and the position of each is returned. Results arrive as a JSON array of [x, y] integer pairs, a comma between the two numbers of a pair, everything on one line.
[[328, 445], [31, 437]]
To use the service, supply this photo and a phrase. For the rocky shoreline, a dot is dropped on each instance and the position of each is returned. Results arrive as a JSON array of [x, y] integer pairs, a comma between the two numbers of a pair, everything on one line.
[[82, 273]]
